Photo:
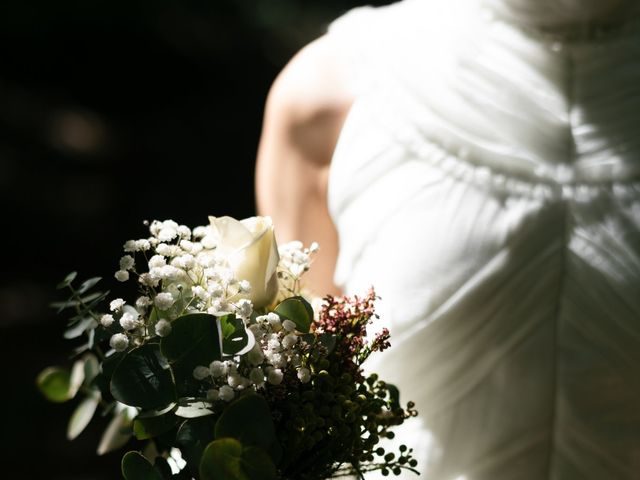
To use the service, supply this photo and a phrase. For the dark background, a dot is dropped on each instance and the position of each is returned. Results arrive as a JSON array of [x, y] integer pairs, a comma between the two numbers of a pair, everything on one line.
[[111, 113]]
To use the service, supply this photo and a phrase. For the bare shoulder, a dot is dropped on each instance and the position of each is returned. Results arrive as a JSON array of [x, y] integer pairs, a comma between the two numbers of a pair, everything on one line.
[[311, 97], [306, 108]]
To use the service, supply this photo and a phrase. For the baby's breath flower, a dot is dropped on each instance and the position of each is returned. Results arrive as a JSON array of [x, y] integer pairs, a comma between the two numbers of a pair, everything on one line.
[[163, 328], [119, 342], [277, 360], [244, 308], [213, 394], [209, 241], [128, 321], [314, 247], [256, 376], [143, 302], [235, 381], [255, 355], [157, 261], [304, 375], [164, 249], [149, 279], [199, 232], [155, 227], [217, 368], [274, 321], [226, 393], [200, 372], [127, 262], [219, 307], [129, 246], [168, 231], [244, 286], [122, 275], [199, 292], [275, 376], [106, 320], [142, 245], [184, 231], [164, 300], [184, 262], [288, 325], [116, 304], [289, 340]]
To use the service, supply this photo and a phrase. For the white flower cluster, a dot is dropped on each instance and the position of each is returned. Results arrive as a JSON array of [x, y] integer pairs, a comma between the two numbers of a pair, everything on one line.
[[219, 269], [184, 274], [295, 260], [278, 348]]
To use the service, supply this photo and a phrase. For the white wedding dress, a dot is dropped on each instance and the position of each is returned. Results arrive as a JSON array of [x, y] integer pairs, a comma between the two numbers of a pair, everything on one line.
[[487, 183]]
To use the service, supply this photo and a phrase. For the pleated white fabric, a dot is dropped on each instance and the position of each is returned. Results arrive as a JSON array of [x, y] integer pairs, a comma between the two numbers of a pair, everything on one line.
[[487, 183]]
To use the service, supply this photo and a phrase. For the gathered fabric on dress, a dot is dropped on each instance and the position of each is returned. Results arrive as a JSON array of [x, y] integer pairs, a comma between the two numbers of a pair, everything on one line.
[[487, 183]]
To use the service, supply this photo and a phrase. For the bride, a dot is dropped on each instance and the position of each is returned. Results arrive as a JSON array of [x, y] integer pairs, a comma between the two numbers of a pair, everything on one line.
[[478, 162]]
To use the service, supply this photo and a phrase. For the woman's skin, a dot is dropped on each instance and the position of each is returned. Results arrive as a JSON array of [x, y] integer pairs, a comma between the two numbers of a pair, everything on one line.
[[305, 111]]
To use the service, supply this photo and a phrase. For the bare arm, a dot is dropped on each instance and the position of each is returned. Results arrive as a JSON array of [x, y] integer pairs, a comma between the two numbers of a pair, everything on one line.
[[304, 114]]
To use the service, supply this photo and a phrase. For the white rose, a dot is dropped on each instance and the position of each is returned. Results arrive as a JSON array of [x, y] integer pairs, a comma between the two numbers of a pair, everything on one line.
[[250, 247]]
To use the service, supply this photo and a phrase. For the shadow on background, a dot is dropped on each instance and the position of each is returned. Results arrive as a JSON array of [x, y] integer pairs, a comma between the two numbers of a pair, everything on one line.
[[111, 113]]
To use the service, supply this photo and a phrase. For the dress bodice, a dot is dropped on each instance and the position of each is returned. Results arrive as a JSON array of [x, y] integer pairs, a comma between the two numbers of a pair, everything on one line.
[[487, 183]]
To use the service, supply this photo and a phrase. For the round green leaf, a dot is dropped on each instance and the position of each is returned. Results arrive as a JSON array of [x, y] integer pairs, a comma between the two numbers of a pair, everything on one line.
[[298, 310], [136, 467], [194, 340], [55, 384], [192, 408], [237, 340], [227, 459], [82, 415], [143, 379], [149, 427], [193, 436], [248, 419]]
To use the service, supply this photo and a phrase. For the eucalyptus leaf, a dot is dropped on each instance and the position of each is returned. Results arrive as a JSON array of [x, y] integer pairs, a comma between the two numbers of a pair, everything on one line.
[[91, 367], [237, 339], [143, 379], [228, 459], [87, 284], [54, 383], [194, 409], [82, 415], [117, 433], [194, 340], [298, 310], [193, 436], [149, 427], [136, 467], [77, 377], [248, 419], [80, 327], [91, 297], [67, 280]]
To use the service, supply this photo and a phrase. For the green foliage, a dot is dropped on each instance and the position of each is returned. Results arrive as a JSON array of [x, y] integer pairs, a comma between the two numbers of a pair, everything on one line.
[[194, 341], [192, 437], [229, 459], [143, 379], [81, 416], [236, 338], [298, 310], [248, 419], [136, 467], [55, 384], [147, 426]]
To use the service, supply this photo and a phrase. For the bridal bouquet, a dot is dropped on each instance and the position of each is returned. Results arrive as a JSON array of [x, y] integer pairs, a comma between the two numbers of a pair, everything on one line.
[[221, 368]]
